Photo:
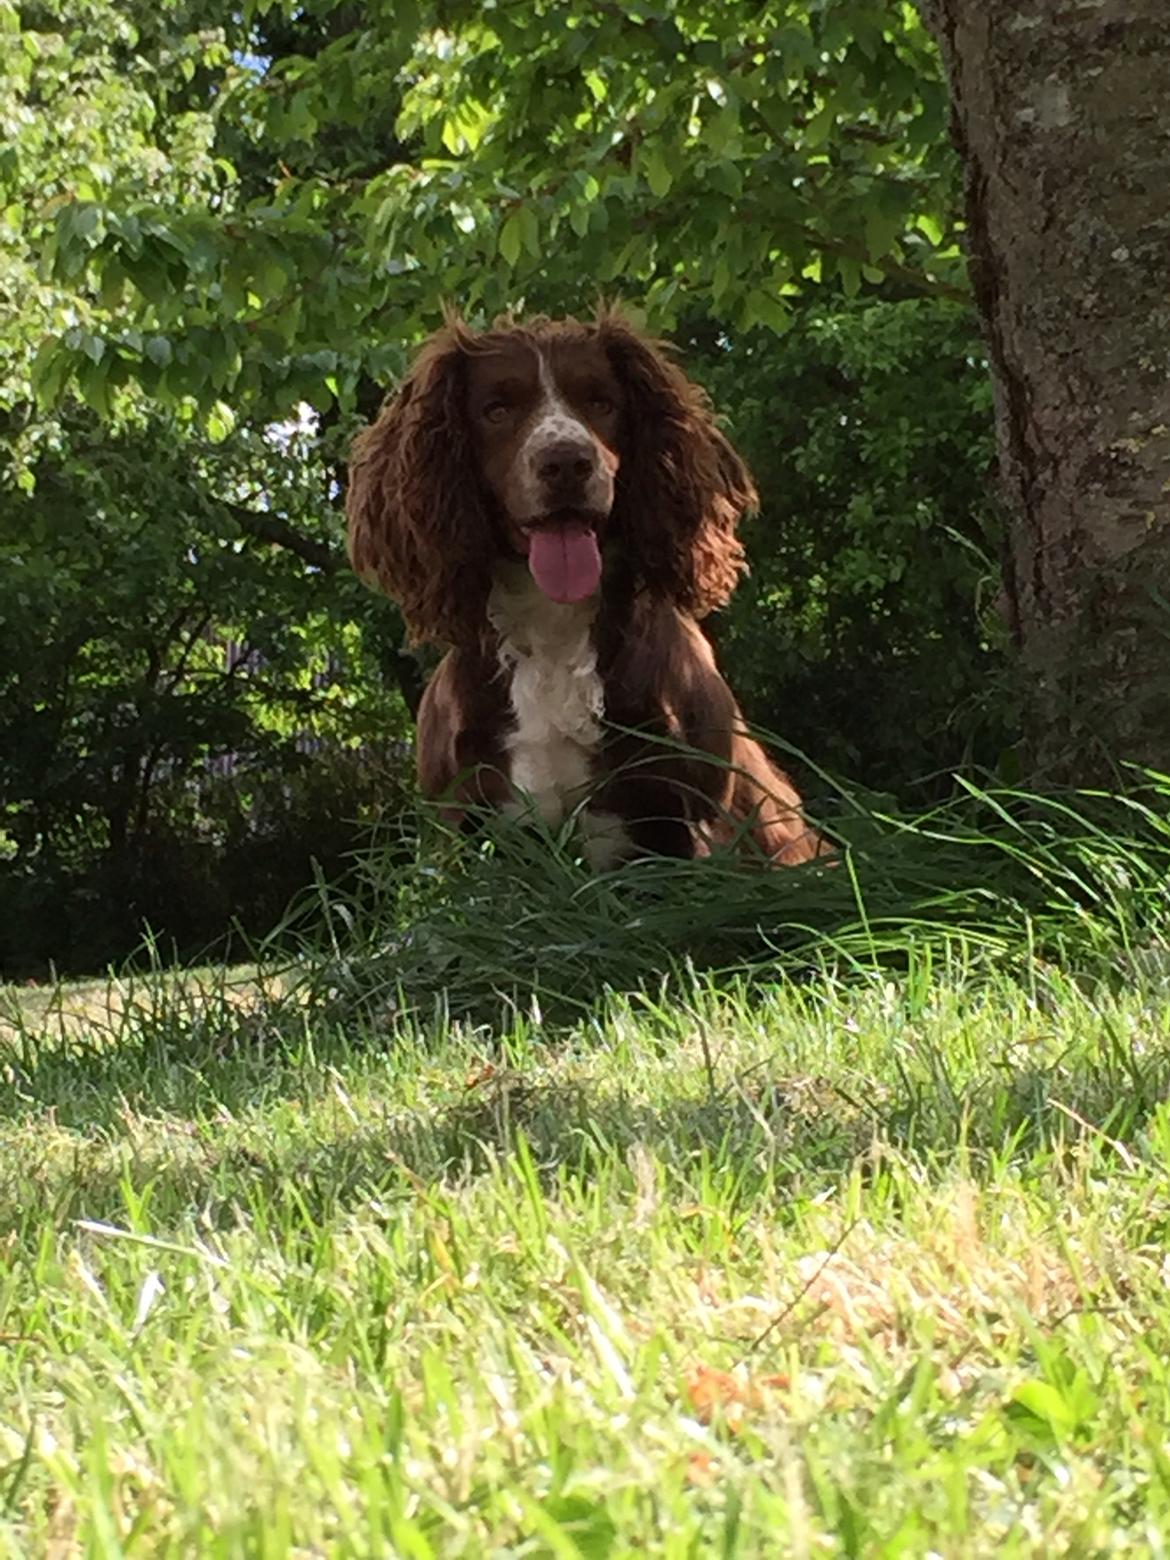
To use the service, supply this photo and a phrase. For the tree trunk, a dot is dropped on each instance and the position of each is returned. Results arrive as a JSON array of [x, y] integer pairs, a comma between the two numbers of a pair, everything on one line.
[[1061, 114]]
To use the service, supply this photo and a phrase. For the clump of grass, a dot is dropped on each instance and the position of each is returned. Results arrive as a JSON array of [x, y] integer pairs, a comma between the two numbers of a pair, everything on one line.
[[994, 877]]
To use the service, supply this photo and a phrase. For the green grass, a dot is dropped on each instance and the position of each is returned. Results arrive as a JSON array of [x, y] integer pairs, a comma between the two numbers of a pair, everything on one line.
[[829, 1233], [994, 876]]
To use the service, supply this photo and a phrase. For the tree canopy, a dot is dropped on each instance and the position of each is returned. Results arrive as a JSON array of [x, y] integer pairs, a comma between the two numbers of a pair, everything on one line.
[[250, 208]]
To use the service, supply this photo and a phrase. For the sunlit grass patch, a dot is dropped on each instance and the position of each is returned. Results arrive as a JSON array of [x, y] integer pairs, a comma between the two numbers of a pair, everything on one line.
[[841, 1264], [118, 1003]]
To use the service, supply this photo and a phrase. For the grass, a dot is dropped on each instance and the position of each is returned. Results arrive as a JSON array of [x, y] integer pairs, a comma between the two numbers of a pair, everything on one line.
[[846, 1236], [994, 878]]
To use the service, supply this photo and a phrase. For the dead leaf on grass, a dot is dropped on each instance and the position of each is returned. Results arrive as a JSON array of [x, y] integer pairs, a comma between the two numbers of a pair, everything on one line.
[[731, 1393]]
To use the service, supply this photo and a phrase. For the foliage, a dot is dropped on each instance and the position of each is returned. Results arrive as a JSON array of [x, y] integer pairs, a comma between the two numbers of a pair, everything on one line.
[[871, 1262], [177, 644], [144, 556], [257, 210], [991, 878], [217, 226], [866, 634]]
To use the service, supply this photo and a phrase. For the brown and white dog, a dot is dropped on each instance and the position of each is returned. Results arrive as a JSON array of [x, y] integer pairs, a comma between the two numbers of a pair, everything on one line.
[[555, 503]]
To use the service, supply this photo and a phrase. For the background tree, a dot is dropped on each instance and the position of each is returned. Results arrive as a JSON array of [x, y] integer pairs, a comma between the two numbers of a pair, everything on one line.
[[224, 231], [1059, 113], [189, 711]]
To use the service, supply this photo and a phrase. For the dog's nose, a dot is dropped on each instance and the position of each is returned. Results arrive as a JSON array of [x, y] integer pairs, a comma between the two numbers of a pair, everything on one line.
[[565, 462]]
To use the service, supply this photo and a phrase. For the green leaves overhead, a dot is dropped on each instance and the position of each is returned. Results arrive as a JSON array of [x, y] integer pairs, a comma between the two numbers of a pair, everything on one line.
[[216, 201]]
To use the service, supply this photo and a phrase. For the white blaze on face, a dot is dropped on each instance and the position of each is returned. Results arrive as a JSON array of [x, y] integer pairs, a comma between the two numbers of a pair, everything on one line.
[[554, 422]]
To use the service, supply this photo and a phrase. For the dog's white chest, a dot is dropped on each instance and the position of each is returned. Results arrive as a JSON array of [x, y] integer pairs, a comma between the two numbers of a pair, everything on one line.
[[549, 659]]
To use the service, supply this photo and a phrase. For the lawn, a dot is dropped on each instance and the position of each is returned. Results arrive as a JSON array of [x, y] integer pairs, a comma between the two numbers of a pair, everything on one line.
[[869, 1259], [860, 1268]]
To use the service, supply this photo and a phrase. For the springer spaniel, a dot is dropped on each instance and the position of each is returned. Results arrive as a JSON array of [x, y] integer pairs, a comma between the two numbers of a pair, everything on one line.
[[555, 503]]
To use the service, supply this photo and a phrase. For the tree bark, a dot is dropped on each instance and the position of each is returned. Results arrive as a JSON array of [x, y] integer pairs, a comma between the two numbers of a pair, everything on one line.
[[1061, 114]]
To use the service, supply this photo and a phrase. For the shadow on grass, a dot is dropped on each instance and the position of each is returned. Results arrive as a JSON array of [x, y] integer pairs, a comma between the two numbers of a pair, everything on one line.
[[779, 1136]]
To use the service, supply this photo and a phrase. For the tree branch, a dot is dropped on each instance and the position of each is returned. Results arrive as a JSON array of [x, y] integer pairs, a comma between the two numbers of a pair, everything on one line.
[[264, 527]]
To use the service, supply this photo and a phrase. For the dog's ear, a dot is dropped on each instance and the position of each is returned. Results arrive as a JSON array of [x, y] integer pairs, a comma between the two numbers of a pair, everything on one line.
[[681, 487], [418, 527]]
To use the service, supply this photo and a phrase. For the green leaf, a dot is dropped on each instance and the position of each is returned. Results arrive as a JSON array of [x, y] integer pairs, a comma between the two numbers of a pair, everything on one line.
[[530, 231], [158, 350], [323, 361], [769, 309], [816, 132], [94, 385], [220, 422], [113, 281], [1042, 1401], [465, 128], [85, 220], [849, 271], [882, 229], [50, 369], [511, 237], [658, 175], [721, 130]]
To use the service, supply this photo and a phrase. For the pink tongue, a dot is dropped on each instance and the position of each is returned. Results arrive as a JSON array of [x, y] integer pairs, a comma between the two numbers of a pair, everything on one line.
[[565, 561]]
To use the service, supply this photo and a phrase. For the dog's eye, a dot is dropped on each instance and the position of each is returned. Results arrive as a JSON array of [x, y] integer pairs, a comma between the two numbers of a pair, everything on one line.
[[600, 405], [496, 410]]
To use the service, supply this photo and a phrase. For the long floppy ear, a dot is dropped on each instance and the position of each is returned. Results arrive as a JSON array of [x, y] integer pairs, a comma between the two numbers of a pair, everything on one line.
[[681, 487], [418, 529]]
